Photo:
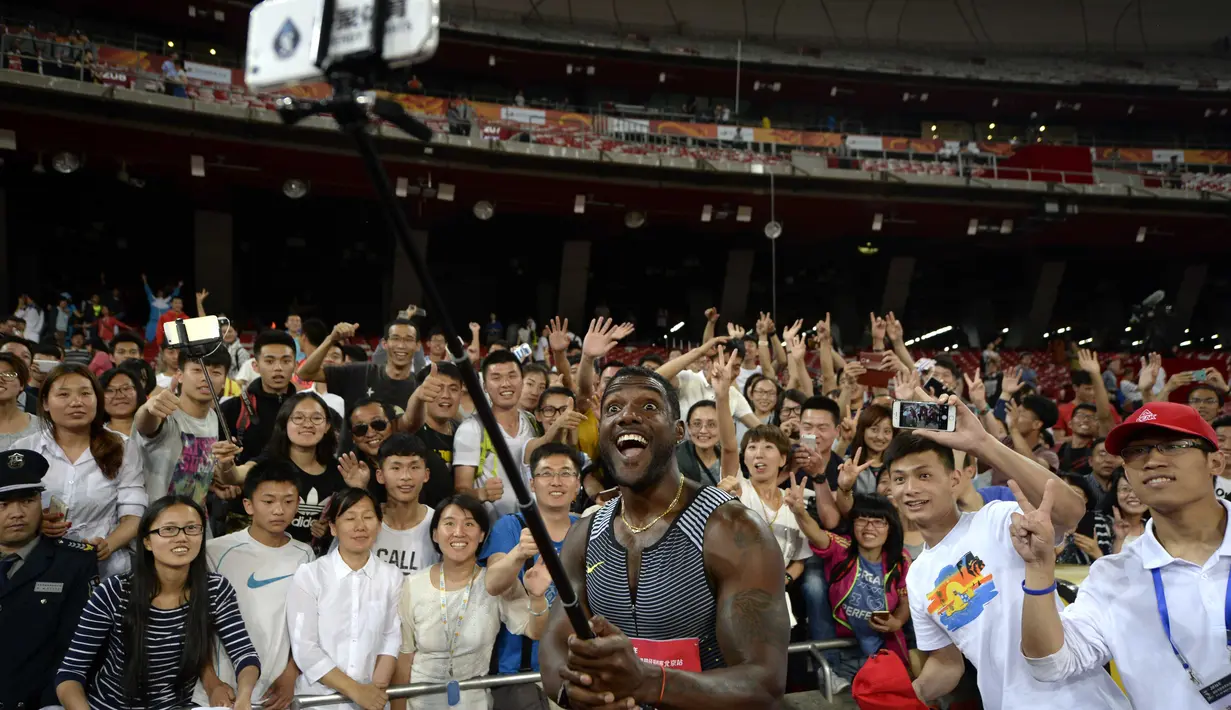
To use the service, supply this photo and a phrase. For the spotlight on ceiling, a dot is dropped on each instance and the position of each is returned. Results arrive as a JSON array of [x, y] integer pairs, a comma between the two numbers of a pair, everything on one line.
[[634, 219], [878, 221], [484, 210], [579, 205], [295, 188], [991, 126], [773, 230], [1006, 227], [65, 162], [743, 214], [707, 213], [197, 164], [973, 228]]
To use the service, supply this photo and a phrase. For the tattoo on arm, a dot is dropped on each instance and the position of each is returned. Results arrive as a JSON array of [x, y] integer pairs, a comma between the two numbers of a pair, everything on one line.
[[747, 611]]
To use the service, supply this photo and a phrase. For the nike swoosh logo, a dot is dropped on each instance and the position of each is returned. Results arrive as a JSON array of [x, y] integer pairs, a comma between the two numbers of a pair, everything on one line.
[[254, 583], [594, 566]]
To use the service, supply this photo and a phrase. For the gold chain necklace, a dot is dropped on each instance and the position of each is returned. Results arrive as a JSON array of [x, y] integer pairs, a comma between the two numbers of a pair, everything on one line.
[[634, 529], [765, 508]]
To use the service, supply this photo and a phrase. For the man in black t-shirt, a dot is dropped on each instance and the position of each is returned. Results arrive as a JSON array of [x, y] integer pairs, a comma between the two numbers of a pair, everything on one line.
[[1075, 453], [391, 383]]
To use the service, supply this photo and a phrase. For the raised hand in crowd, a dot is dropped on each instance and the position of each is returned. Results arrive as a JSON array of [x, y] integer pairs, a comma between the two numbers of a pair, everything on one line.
[[893, 328], [848, 471], [1087, 361], [603, 336], [1215, 379], [343, 332], [824, 332], [356, 473], [878, 330], [975, 389], [1031, 530], [492, 490], [906, 387], [891, 361], [1011, 383], [558, 338], [765, 325], [1151, 365], [1177, 381], [711, 314], [735, 332]]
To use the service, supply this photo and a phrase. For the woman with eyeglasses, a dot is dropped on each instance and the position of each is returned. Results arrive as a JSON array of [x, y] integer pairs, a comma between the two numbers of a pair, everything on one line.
[[1121, 517], [149, 633], [95, 489], [122, 397], [867, 576], [698, 456], [762, 393], [14, 423], [304, 435], [790, 407]]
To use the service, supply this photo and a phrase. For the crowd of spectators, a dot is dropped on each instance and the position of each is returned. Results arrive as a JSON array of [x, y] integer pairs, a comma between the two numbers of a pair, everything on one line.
[[354, 485]]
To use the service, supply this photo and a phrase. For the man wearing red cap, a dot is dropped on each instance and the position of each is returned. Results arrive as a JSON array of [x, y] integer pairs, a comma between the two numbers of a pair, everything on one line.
[[1158, 606]]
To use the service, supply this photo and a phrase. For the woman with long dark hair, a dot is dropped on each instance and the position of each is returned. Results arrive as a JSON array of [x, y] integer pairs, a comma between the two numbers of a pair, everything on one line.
[[155, 629], [123, 395], [867, 576], [304, 435], [95, 491], [1121, 516]]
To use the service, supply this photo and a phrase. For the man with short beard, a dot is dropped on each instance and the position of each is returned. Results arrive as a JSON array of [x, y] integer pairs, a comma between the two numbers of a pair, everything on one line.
[[666, 539]]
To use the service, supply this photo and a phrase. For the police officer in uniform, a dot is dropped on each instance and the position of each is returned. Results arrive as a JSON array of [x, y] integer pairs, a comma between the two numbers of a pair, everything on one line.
[[44, 585]]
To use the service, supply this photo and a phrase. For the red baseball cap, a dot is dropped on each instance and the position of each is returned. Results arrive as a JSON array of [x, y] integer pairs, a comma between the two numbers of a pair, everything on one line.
[[1171, 416]]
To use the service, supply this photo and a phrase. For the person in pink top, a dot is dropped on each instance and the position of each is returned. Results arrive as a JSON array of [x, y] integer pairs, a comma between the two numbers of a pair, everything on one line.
[[867, 576]]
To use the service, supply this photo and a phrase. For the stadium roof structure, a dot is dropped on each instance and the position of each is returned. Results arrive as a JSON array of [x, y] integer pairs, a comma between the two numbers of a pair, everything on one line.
[[990, 26]]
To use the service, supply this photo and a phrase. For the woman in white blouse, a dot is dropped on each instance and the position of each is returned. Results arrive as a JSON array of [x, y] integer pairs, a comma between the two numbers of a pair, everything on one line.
[[94, 472], [449, 621], [342, 610]]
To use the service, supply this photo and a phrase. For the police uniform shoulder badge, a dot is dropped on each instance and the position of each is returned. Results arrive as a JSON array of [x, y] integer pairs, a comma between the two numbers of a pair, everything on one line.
[[76, 545]]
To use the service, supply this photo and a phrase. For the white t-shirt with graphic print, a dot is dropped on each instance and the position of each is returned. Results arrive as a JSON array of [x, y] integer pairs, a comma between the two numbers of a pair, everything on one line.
[[967, 591]]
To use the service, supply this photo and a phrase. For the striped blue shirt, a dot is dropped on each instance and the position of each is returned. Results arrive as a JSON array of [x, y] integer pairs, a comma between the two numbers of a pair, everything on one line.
[[101, 631]]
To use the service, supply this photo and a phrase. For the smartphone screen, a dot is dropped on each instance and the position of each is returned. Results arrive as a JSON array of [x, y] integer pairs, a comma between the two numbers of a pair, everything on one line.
[[924, 415], [57, 506], [1198, 375], [808, 441]]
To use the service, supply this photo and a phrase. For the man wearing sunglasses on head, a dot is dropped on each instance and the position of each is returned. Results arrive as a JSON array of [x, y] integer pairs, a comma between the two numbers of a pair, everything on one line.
[[1158, 608]]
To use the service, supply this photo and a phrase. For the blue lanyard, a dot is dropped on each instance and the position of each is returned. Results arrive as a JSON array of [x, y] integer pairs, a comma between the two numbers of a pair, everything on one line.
[[1161, 597]]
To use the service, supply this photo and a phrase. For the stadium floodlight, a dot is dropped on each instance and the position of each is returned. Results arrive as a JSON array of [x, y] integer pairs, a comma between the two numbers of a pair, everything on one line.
[[707, 213], [65, 162], [295, 188], [677, 326], [773, 230], [484, 210], [579, 204], [991, 126], [743, 214], [1141, 234], [1042, 129], [634, 220]]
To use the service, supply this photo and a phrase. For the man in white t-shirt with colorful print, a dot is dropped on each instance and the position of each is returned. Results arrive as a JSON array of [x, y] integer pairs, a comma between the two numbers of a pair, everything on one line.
[[966, 587], [260, 562]]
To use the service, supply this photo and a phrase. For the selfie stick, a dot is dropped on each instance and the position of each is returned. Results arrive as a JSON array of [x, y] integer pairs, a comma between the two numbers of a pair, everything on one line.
[[350, 105], [198, 353]]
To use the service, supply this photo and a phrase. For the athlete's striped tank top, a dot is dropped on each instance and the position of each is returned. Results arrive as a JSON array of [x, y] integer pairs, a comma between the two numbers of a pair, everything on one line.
[[674, 599]]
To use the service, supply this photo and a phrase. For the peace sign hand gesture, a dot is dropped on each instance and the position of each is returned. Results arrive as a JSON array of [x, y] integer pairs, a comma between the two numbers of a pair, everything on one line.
[[794, 497], [1032, 532], [848, 471]]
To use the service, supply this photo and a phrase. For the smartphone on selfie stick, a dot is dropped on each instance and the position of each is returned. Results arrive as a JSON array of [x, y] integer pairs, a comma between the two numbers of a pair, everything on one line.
[[199, 337]]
